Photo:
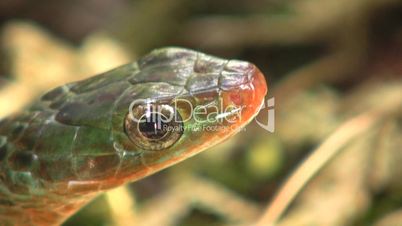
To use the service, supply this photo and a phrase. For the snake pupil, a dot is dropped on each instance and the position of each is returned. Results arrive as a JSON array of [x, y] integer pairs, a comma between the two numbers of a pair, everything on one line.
[[153, 126]]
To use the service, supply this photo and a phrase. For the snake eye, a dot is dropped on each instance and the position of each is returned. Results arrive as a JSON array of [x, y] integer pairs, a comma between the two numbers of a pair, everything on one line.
[[153, 126]]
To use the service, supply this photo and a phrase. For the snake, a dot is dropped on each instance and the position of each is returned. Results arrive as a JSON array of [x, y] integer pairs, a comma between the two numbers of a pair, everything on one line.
[[86, 137]]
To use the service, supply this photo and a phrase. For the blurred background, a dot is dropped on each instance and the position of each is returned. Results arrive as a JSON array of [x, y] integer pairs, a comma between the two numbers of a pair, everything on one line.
[[325, 61]]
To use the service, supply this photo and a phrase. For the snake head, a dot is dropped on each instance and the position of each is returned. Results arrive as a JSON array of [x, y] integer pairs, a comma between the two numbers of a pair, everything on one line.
[[181, 102], [139, 118]]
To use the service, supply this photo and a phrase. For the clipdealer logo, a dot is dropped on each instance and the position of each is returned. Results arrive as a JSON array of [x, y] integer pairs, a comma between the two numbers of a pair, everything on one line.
[[208, 114], [268, 105]]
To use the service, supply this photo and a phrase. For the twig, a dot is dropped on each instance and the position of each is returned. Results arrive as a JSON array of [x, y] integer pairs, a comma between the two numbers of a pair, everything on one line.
[[122, 205], [192, 191], [325, 152]]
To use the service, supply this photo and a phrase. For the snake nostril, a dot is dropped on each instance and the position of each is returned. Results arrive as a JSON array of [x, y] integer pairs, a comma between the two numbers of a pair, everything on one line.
[[236, 98]]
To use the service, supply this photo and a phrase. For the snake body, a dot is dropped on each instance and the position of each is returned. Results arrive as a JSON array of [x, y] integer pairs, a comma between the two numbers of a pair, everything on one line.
[[78, 141]]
